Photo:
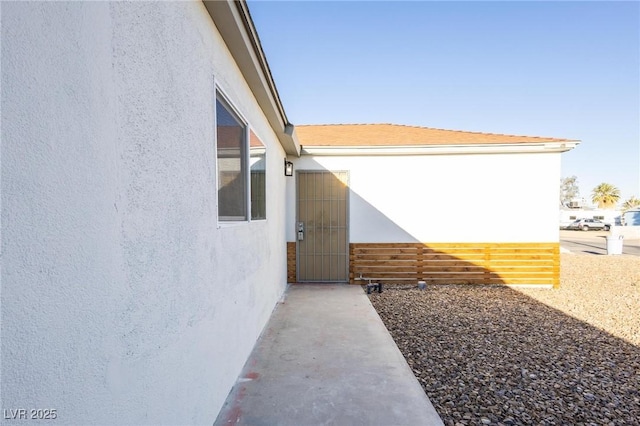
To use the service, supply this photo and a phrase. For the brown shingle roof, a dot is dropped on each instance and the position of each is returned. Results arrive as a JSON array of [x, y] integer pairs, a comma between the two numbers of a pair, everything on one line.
[[399, 135]]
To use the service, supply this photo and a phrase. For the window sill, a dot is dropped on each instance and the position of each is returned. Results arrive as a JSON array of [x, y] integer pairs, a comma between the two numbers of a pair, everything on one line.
[[232, 223], [235, 223]]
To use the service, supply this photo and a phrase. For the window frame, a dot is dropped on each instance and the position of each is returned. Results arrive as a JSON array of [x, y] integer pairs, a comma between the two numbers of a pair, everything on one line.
[[221, 97], [263, 158]]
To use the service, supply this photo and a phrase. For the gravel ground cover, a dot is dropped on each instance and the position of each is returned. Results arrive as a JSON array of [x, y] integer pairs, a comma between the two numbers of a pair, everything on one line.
[[495, 355]]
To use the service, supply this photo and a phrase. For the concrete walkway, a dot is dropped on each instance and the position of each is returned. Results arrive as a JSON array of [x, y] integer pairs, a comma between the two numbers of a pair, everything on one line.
[[326, 358]]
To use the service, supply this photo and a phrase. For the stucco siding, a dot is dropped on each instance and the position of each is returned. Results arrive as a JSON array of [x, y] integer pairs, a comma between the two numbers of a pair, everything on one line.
[[123, 299], [446, 198]]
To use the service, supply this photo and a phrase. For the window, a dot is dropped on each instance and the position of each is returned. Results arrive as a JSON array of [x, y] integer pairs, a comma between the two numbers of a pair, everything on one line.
[[232, 185], [599, 217], [257, 160], [241, 161], [572, 217]]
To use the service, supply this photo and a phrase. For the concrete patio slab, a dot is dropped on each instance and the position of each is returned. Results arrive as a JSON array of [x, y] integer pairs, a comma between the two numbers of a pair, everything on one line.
[[326, 358]]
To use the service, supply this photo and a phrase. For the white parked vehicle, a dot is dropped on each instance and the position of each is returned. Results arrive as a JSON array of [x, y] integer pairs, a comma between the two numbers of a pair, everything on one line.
[[569, 216], [589, 225]]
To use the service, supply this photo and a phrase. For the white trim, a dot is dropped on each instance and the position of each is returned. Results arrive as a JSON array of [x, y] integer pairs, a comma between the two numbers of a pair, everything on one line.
[[545, 147]]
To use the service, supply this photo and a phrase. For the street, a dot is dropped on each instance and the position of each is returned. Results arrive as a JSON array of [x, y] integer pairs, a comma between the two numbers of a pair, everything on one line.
[[594, 242]]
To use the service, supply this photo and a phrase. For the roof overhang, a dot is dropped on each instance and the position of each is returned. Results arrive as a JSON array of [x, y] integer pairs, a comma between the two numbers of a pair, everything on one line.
[[452, 149], [236, 27]]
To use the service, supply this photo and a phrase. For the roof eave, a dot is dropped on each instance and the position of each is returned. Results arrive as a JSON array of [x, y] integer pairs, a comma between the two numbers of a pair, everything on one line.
[[234, 23], [448, 149]]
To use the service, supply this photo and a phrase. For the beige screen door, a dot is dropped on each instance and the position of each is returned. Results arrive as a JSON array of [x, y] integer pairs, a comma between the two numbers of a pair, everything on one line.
[[323, 247]]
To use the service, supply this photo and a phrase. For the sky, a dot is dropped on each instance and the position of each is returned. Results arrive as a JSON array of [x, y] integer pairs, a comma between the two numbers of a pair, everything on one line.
[[558, 69]]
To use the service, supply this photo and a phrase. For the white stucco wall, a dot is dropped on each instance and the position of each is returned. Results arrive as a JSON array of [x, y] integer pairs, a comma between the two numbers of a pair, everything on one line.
[[123, 301], [446, 198]]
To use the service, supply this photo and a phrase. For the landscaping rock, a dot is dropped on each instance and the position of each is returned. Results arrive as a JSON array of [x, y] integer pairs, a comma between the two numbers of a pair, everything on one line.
[[496, 355]]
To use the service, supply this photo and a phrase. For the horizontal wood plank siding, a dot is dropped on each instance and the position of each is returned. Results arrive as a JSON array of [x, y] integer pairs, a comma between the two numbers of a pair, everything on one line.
[[291, 263], [456, 263]]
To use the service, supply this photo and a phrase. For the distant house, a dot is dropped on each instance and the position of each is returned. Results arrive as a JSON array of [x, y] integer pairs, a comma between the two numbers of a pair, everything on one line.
[[608, 216], [631, 225], [148, 228], [631, 217], [400, 203]]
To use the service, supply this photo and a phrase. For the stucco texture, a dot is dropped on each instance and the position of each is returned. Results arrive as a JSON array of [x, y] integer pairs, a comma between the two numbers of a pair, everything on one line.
[[123, 300]]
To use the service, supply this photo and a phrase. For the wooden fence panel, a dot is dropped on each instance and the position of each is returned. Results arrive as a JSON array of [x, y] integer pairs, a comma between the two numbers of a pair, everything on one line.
[[291, 263], [456, 263]]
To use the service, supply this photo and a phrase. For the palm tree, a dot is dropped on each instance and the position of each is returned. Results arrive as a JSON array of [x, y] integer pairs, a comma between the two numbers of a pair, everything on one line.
[[605, 195], [631, 203]]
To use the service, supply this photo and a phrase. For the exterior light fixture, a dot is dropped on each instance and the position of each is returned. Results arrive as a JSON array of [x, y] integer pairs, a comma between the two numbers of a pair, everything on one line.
[[288, 168]]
